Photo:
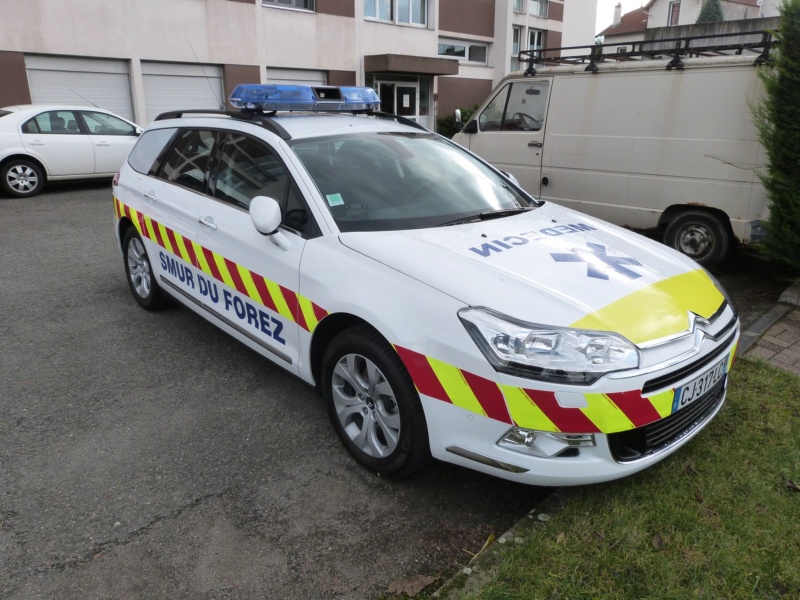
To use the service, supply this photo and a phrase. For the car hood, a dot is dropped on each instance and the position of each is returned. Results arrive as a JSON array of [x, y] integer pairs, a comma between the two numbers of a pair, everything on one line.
[[554, 266]]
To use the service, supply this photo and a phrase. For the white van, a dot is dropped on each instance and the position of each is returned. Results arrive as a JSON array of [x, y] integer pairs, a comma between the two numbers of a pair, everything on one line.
[[641, 138]]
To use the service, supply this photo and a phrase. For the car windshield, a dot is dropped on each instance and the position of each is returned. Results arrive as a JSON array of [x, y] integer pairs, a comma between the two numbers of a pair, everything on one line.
[[390, 181]]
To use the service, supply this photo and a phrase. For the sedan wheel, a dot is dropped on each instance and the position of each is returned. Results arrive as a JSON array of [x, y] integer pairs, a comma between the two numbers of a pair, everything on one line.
[[373, 404], [22, 178], [366, 406], [141, 279]]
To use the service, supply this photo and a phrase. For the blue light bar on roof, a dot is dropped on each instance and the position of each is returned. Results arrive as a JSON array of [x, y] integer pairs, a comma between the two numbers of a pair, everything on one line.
[[268, 97]]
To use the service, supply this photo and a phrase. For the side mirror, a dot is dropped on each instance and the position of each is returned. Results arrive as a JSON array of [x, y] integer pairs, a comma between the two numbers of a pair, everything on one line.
[[511, 178], [459, 122], [265, 214], [470, 127], [138, 131]]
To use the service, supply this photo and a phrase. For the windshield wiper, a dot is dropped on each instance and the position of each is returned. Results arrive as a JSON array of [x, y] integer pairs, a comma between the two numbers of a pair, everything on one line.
[[486, 216]]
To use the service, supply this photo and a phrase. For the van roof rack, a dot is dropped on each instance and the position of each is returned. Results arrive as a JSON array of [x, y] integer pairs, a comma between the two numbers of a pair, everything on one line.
[[717, 44]]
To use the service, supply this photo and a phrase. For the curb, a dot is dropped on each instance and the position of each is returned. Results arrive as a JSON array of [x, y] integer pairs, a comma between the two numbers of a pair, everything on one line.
[[762, 324], [470, 579]]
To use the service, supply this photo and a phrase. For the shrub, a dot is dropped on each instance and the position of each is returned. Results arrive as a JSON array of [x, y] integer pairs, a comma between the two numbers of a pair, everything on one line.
[[776, 117]]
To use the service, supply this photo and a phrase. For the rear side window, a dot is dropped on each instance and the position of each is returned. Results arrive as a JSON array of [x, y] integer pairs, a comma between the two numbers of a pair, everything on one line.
[[59, 122], [144, 156], [187, 164], [3, 113]]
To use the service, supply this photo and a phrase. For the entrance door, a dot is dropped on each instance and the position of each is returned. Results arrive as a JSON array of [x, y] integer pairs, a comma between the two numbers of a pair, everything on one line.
[[399, 98]]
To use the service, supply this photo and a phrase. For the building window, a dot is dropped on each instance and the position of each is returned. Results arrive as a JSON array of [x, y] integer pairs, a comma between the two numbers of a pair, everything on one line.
[[538, 8], [519, 6], [465, 51], [674, 12], [535, 39], [412, 12], [304, 4], [515, 47]]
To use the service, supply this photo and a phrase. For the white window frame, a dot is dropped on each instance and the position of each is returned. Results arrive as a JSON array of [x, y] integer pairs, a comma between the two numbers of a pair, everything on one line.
[[467, 45], [539, 33], [424, 12], [292, 4], [516, 45], [673, 10], [539, 8]]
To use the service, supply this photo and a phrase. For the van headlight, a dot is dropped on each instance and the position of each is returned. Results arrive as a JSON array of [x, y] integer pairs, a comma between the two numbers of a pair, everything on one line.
[[547, 353]]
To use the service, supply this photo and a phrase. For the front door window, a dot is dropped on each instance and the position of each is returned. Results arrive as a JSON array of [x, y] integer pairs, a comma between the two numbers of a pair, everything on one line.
[[400, 98]]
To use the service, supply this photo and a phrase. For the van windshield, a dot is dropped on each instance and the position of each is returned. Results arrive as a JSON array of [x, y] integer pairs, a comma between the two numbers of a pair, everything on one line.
[[396, 180]]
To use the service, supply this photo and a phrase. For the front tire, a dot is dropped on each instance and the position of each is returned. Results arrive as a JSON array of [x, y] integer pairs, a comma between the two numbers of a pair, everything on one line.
[[139, 272], [700, 235], [373, 404], [21, 178]]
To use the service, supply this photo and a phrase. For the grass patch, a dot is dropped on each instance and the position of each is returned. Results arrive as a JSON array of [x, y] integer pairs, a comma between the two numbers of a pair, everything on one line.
[[718, 519]]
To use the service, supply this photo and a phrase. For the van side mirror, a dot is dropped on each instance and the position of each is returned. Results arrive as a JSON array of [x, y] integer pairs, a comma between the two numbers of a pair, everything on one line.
[[459, 122], [470, 127]]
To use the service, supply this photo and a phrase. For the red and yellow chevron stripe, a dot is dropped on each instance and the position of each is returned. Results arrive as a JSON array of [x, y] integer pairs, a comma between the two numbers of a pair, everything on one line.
[[530, 408], [272, 295]]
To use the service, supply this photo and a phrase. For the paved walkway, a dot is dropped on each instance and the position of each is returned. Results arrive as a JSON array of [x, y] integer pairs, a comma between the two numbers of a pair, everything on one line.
[[775, 337]]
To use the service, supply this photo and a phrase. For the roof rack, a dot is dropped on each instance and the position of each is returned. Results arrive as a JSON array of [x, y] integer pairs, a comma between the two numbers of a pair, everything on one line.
[[717, 44], [258, 117]]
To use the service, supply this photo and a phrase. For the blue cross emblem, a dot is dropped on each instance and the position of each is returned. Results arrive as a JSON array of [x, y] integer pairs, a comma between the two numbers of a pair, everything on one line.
[[598, 255]]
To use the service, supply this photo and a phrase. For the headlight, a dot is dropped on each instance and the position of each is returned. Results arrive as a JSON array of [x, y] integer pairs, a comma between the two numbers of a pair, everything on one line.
[[547, 353]]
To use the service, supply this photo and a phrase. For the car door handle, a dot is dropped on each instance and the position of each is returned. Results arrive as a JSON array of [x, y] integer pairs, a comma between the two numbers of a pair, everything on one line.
[[535, 144], [103, 143], [37, 143], [150, 196], [207, 222]]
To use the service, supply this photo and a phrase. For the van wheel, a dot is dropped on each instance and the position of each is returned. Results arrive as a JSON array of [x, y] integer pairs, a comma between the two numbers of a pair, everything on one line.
[[699, 235]]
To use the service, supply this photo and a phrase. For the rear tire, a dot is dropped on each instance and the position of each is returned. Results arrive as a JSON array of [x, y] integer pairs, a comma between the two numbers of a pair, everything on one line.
[[138, 269], [373, 404], [700, 235], [21, 178]]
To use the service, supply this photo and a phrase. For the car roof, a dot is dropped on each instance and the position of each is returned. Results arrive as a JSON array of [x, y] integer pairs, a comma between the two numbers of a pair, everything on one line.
[[40, 107]]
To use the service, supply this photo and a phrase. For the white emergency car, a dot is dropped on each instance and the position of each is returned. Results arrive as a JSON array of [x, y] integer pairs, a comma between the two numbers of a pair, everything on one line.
[[440, 310]]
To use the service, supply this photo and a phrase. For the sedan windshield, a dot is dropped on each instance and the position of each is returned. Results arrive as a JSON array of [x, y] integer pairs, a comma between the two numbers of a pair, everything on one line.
[[391, 181]]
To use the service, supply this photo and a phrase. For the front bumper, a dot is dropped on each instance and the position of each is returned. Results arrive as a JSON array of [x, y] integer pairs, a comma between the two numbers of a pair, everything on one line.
[[463, 437]]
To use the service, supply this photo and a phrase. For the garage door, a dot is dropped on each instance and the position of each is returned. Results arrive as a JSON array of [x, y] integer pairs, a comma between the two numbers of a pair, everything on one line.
[[175, 86], [296, 76], [80, 81]]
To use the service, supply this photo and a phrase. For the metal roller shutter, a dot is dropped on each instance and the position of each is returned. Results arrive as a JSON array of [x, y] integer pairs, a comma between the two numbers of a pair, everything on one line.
[[80, 81], [296, 76], [174, 86]]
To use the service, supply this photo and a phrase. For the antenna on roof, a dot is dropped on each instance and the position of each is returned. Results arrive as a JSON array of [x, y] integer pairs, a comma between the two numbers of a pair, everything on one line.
[[87, 100], [208, 79]]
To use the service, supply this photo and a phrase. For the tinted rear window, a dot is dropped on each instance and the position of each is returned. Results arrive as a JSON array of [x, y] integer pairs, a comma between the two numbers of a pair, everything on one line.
[[3, 113], [149, 147]]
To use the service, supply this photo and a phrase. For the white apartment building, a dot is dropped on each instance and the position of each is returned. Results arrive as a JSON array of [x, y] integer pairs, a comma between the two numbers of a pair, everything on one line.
[[143, 57]]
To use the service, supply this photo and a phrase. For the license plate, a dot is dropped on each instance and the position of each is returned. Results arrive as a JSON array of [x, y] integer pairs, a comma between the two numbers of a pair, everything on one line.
[[688, 393]]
